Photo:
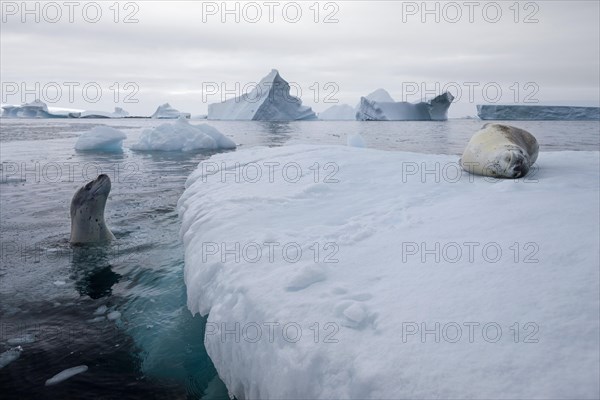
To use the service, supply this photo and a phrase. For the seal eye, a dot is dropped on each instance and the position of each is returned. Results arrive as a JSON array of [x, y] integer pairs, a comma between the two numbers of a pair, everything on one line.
[[88, 186]]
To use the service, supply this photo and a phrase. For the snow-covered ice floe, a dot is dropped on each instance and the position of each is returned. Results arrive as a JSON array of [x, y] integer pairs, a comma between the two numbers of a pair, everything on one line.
[[542, 113], [342, 272], [435, 109], [270, 100], [182, 136], [101, 138]]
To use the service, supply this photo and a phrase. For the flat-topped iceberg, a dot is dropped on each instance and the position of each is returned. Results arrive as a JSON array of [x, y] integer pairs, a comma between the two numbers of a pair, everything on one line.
[[432, 110], [39, 109], [165, 111], [182, 136], [379, 278], [270, 100], [340, 112], [101, 138], [118, 113], [34, 109], [542, 113]]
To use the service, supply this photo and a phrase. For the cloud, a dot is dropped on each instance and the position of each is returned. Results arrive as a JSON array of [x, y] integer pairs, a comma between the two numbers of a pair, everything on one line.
[[175, 48]]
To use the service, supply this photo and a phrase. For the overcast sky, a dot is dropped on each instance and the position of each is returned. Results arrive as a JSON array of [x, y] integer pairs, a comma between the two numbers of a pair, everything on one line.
[[543, 50]]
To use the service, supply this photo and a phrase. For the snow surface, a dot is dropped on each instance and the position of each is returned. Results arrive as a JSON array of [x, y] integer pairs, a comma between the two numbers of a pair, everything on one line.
[[270, 100], [101, 138], [433, 110], [66, 374], [182, 136], [528, 112], [375, 207], [340, 112], [165, 111]]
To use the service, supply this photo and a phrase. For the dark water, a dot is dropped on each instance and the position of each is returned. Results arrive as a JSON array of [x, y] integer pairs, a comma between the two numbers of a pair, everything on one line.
[[53, 295]]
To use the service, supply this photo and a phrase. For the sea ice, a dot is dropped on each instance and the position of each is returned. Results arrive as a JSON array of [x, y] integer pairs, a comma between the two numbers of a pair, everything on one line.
[[414, 279], [9, 356], [66, 374], [113, 315], [25, 339]]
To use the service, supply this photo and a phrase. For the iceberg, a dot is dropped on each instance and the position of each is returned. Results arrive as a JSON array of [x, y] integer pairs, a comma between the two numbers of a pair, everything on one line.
[[341, 112], [35, 109], [118, 113], [270, 100], [541, 113], [380, 96], [101, 138], [433, 110], [39, 109], [165, 111], [383, 279], [182, 136]]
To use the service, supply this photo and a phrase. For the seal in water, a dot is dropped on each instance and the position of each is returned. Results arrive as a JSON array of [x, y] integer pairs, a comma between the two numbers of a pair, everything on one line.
[[87, 212]]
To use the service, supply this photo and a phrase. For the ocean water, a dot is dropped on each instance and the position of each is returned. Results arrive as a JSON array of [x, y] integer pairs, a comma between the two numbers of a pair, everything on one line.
[[121, 308]]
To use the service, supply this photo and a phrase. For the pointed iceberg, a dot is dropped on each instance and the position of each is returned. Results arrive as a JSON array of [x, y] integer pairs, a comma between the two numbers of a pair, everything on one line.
[[340, 112], [165, 111], [270, 100], [432, 110]]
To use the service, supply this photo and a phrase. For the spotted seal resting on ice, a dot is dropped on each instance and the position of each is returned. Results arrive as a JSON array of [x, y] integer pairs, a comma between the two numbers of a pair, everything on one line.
[[87, 212], [500, 151]]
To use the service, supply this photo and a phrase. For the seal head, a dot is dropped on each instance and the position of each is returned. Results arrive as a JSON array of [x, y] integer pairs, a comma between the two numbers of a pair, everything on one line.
[[87, 212]]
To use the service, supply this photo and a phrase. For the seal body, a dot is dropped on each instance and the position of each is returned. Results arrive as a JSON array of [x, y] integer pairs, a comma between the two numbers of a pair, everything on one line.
[[87, 212], [500, 151]]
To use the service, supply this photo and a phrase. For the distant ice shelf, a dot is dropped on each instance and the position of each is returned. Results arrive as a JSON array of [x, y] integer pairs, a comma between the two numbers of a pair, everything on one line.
[[537, 112], [270, 100]]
